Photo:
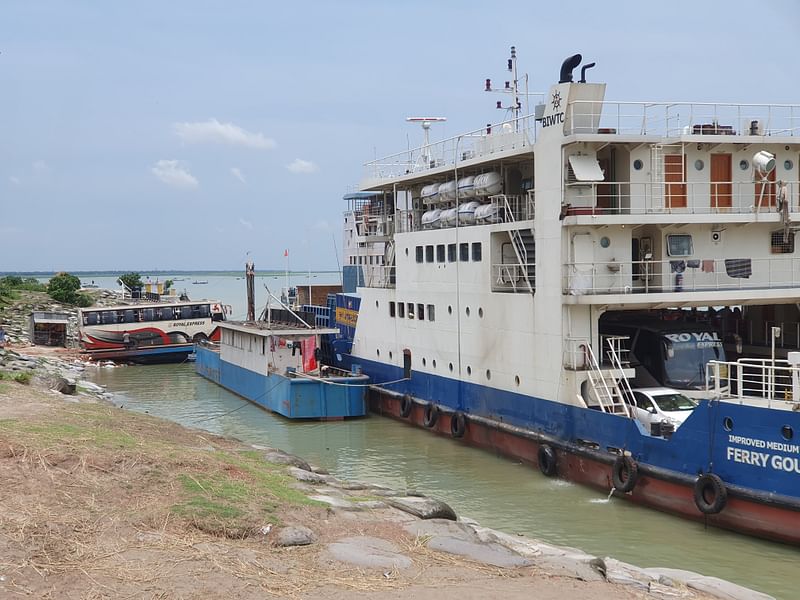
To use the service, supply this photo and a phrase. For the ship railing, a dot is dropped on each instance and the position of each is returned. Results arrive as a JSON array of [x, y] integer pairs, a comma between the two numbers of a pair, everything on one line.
[[492, 140], [511, 277], [755, 381], [681, 197], [380, 276], [674, 119], [511, 208], [680, 274]]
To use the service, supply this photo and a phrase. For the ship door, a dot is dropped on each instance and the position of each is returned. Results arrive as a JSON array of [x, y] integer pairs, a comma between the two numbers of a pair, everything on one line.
[[406, 363], [765, 192], [721, 186], [674, 181]]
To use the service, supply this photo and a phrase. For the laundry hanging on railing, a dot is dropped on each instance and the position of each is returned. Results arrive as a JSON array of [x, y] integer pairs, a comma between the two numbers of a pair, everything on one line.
[[677, 266], [739, 268], [708, 265]]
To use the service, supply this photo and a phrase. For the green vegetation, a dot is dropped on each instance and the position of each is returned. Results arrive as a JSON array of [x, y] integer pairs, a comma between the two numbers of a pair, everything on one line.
[[23, 377], [11, 284], [64, 287], [131, 280]]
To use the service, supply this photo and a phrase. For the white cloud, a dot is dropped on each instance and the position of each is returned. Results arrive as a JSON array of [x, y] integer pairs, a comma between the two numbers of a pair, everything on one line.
[[40, 166], [214, 132], [175, 174], [321, 225], [15, 180], [245, 222], [237, 172], [302, 166]]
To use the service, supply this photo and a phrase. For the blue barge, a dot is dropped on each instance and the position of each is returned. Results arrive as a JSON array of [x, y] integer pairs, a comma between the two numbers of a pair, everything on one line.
[[276, 368]]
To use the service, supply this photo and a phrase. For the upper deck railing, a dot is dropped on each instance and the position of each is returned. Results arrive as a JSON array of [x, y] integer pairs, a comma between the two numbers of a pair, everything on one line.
[[664, 119]]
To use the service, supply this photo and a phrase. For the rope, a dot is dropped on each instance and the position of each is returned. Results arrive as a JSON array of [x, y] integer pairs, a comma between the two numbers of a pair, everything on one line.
[[328, 382]]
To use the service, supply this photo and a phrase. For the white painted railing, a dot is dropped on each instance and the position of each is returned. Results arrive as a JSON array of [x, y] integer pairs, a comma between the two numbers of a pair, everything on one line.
[[680, 275], [647, 198], [773, 382]]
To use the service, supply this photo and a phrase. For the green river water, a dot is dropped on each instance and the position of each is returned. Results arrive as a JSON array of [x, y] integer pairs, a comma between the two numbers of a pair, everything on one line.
[[495, 491]]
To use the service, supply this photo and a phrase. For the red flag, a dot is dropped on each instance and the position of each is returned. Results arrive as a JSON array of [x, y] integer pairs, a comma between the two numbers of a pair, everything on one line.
[[286, 252]]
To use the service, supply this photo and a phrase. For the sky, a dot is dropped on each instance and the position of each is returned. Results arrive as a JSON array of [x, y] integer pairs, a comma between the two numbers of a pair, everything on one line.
[[149, 135]]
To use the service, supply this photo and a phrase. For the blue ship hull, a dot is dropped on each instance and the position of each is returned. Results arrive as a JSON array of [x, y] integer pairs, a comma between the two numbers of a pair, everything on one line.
[[744, 446], [294, 398]]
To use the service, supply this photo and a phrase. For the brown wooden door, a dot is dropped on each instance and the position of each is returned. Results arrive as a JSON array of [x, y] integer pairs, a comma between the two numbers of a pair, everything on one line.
[[721, 186], [674, 181], [768, 198]]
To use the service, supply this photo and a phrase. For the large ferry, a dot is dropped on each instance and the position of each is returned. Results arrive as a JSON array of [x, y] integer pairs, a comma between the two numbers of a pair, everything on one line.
[[524, 279]]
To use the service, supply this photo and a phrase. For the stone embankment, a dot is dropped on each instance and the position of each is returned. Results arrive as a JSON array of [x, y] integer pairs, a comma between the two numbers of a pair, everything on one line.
[[15, 318], [104, 502]]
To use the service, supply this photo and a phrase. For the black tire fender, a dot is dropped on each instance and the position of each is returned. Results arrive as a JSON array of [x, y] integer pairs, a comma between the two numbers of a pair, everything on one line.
[[546, 456], [431, 415], [458, 425], [406, 404], [710, 494], [624, 474]]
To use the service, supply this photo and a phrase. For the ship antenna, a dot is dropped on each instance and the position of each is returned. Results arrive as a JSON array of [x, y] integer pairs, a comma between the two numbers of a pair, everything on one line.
[[426, 123], [511, 87]]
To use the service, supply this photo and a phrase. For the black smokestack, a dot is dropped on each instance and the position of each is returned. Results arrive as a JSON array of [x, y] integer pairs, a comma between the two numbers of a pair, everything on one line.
[[567, 66]]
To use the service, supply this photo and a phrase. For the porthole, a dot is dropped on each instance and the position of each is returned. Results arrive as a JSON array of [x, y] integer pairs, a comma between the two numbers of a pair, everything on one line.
[[699, 164], [744, 165], [605, 242], [423, 362], [480, 312], [449, 310], [406, 251], [788, 165], [516, 380], [727, 423], [390, 355], [638, 164], [467, 311], [787, 432], [433, 362], [488, 374], [450, 366], [378, 351], [469, 370], [376, 304]]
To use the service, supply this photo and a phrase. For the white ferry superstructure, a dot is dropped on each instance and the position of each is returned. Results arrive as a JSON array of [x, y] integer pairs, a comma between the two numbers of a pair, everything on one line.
[[522, 278]]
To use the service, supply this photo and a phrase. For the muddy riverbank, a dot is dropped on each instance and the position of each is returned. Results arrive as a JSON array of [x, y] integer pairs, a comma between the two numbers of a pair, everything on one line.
[[103, 502]]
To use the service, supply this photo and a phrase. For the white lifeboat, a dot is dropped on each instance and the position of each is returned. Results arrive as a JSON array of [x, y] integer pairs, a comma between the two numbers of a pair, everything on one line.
[[430, 219], [466, 187], [447, 191], [448, 218], [488, 184], [486, 213], [430, 193], [466, 212]]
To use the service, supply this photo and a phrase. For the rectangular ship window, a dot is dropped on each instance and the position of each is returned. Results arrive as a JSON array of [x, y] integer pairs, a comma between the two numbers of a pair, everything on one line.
[[410, 310], [476, 251], [780, 244], [429, 254], [391, 309], [421, 312], [419, 254], [401, 310], [451, 253], [431, 316], [440, 253], [679, 245], [463, 252]]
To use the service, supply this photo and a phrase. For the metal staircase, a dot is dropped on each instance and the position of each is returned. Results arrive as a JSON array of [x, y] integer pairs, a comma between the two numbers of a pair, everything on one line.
[[525, 249], [610, 386]]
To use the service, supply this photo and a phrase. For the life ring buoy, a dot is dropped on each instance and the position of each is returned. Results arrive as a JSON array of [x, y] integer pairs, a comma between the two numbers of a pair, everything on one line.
[[431, 415], [624, 474], [547, 460], [406, 403], [710, 494], [458, 425]]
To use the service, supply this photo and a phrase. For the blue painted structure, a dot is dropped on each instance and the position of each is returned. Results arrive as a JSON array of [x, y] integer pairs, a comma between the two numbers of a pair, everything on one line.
[[292, 397]]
